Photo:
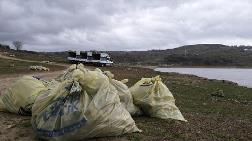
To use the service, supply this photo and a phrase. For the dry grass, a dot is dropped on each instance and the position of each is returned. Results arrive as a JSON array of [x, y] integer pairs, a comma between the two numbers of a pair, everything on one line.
[[15, 67]]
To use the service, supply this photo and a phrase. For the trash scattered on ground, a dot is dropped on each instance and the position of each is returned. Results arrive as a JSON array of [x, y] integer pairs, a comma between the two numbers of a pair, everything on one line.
[[12, 65], [82, 104], [20, 97], [47, 62], [39, 68], [155, 99]]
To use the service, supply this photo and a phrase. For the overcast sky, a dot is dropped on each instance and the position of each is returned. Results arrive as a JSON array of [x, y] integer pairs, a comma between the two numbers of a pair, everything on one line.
[[55, 25]]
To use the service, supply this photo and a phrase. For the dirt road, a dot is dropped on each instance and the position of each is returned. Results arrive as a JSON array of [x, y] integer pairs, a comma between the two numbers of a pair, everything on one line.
[[24, 60]]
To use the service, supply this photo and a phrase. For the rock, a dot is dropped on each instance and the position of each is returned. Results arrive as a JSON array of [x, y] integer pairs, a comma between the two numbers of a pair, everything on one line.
[[218, 93]]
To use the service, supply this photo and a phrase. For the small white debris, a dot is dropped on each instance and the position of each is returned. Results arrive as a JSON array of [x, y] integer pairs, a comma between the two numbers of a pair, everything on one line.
[[39, 68]]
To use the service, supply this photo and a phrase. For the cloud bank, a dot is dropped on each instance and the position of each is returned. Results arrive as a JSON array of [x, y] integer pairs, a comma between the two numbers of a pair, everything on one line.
[[46, 25]]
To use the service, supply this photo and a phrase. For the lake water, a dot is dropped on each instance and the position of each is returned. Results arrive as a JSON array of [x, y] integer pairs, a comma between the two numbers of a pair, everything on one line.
[[241, 76]]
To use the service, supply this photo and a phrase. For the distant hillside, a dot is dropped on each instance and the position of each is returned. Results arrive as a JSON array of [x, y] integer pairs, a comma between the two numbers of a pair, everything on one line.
[[4, 47], [32, 55], [189, 55]]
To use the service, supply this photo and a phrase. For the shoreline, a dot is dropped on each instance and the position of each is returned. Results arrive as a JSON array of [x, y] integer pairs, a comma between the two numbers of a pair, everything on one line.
[[195, 75], [214, 67], [224, 80]]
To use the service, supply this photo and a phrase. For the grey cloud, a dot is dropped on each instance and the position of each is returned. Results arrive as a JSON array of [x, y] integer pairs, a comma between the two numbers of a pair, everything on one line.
[[47, 25]]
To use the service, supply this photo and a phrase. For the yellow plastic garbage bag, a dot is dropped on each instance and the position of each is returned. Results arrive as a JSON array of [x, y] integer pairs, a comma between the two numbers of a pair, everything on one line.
[[124, 94], [67, 73], [97, 76], [155, 99], [20, 97], [86, 106], [50, 84]]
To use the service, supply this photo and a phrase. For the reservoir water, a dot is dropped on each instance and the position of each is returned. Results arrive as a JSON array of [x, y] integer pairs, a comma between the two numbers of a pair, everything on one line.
[[241, 76]]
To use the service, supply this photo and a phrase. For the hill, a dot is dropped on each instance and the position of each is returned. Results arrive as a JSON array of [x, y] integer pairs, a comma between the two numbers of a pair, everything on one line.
[[189, 55]]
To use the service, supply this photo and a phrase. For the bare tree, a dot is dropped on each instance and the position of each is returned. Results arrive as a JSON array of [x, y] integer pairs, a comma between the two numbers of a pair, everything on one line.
[[18, 45]]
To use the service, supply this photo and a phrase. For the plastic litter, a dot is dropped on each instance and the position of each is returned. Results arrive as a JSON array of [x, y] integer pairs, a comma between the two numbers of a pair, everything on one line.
[[83, 107], [155, 99], [20, 97], [39, 68], [124, 94]]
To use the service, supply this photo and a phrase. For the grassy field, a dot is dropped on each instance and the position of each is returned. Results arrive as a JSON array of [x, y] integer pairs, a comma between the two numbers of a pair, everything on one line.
[[13, 66], [209, 117], [35, 56]]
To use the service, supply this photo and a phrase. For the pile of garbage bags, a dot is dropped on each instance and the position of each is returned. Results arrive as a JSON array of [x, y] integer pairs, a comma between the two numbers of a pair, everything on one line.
[[83, 103]]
